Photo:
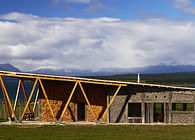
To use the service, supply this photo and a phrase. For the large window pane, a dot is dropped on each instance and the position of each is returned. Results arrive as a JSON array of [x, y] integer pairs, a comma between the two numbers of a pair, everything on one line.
[[134, 110]]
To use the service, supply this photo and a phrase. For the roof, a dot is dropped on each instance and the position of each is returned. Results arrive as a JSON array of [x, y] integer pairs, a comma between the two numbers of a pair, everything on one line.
[[84, 80]]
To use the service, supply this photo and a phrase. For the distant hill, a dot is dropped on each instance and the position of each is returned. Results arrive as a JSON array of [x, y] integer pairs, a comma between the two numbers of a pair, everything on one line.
[[8, 67], [66, 72], [178, 78], [114, 71], [165, 69], [156, 69]]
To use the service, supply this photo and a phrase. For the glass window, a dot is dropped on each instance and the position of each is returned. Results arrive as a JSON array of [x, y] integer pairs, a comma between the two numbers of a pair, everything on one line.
[[134, 109], [183, 107]]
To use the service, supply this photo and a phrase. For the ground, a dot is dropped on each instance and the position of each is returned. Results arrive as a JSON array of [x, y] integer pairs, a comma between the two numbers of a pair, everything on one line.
[[134, 132]]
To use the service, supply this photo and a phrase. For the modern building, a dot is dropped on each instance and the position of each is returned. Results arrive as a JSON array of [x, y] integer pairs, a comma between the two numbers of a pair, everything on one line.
[[74, 99]]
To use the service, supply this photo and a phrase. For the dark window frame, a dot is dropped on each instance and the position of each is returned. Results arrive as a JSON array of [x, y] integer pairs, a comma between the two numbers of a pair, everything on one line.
[[182, 106], [133, 112]]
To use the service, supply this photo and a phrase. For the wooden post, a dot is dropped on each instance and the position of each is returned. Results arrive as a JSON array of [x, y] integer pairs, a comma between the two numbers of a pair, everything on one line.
[[68, 101], [16, 99], [7, 107], [36, 100], [85, 96], [8, 99], [25, 96], [44, 93], [112, 100], [29, 98]]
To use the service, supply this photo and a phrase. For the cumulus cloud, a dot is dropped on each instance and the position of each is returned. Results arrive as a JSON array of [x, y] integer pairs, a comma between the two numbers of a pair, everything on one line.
[[185, 6], [32, 42]]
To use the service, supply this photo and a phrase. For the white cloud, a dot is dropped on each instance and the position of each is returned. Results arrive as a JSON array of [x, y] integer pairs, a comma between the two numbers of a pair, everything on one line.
[[30, 42], [185, 6]]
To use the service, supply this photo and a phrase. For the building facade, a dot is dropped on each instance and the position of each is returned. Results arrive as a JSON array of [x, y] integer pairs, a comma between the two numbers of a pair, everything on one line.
[[74, 99], [133, 104]]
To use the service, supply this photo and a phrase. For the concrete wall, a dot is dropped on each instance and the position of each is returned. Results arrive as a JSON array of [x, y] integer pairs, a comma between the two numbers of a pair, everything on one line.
[[182, 98]]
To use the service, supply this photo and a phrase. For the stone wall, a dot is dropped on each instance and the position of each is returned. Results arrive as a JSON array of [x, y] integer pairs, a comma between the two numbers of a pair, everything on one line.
[[118, 110], [58, 93], [183, 117]]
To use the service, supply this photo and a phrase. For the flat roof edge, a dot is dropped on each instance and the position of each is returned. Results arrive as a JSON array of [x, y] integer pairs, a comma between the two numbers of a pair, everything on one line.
[[87, 80]]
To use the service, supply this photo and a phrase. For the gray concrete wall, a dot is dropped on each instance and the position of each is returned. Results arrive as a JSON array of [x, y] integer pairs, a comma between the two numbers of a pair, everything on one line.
[[182, 98], [156, 97]]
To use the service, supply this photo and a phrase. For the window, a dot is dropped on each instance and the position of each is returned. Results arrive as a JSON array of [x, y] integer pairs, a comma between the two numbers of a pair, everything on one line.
[[134, 109], [183, 107]]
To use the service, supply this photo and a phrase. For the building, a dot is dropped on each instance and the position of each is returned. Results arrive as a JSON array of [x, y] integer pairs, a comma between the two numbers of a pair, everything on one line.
[[73, 99]]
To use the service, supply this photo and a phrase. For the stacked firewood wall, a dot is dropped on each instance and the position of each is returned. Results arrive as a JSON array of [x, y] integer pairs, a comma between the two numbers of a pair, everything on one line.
[[98, 99], [58, 93]]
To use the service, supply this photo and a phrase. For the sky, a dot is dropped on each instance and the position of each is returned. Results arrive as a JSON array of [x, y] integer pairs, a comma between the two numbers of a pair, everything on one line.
[[96, 34]]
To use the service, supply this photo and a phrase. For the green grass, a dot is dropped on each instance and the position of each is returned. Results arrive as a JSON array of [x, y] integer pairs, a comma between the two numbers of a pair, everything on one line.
[[3, 120], [97, 132]]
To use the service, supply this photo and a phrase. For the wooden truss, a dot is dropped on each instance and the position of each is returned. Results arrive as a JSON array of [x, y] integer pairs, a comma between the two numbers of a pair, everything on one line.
[[77, 83]]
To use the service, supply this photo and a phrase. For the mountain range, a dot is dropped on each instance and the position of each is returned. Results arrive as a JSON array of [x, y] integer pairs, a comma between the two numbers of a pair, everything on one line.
[[109, 71], [8, 67]]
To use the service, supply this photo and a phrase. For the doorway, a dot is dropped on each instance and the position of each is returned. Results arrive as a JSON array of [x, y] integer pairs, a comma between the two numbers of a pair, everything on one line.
[[158, 112], [81, 111]]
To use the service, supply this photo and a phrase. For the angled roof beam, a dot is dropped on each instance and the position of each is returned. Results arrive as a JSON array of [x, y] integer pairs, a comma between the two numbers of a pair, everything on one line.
[[29, 99], [112, 100], [45, 94], [8, 99], [68, 101]]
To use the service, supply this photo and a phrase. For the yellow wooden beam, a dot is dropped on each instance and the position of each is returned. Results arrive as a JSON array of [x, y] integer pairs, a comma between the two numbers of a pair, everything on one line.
[[6, 104], [36, 98], [112, 100], [62, 79], [25, 96], [31, 94], [85, 96], [8, 99], [17, 94], [68, 101], [45, 94]]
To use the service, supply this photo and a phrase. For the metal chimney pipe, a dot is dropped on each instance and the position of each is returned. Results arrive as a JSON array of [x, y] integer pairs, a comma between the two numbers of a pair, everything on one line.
[[138, 78]]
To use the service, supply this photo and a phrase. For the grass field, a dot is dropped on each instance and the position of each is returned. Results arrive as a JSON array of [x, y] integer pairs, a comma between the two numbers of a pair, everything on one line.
[[97, 132]]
